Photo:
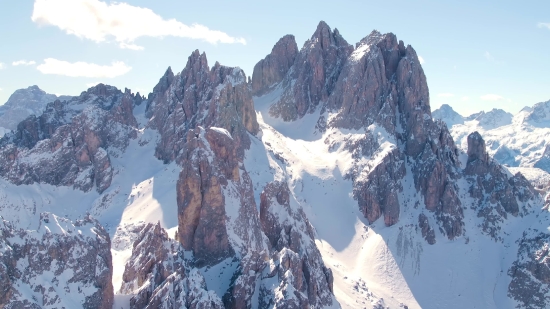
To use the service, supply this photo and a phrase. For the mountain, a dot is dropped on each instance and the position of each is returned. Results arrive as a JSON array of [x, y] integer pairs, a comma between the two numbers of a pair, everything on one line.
[[517, 141], [323, 182], [448, 115], [23, 103]]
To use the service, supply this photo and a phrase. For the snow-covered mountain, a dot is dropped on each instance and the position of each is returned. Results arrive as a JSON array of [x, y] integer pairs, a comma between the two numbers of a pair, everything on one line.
[[448, 115], [520, 140], [321, 183], [23, 103]]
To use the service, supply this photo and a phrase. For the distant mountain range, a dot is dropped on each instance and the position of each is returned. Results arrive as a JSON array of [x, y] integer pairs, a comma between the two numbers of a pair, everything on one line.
[[23, 103], [322, 182]]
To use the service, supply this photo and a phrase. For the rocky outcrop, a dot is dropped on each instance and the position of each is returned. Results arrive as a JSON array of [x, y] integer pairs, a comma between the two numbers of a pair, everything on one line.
[[272, 69], [213, 186], [60, 264], [158, 276], [70, 144], [376, 189], [304, 280], [530, 273], [497, 194], [200, 96], [313, 76]]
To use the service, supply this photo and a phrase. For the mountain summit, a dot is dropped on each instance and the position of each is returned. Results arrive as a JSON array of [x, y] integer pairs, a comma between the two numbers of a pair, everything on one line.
[[323, 182]]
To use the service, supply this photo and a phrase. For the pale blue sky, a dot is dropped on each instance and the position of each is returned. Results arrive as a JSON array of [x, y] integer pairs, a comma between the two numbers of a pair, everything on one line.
[[477, 54]]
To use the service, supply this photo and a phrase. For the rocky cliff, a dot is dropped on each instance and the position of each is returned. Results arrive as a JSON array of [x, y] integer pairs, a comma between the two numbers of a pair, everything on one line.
[[345, 193]]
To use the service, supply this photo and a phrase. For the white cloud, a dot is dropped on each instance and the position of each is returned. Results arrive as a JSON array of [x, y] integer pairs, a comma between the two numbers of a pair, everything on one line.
[[466, 98], [90, 85], [23, 62], [98, 21], [2, 66], [445, 95], [1, 89], [544, 25], [491, 97], [83, 69], [488, 56], [421, 60]]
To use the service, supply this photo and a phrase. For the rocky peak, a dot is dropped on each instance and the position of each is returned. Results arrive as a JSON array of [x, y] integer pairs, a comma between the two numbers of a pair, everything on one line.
[[71, 142], [448, 115], [23, 103], [200, 96], [476, 148], [313, 75], [272, 69]]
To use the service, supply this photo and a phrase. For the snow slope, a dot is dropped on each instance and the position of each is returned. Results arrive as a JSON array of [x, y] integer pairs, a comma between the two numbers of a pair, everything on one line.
[[374, 264]]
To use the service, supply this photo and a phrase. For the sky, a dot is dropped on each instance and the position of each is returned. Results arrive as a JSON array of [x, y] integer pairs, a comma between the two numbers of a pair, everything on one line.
[[477, 55]]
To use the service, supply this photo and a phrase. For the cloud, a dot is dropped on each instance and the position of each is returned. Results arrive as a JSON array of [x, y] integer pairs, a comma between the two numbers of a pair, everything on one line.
[[2, 66], [90, 85], [83, 69], [489, 57], [421, 60], [491, 97], [99, 21], [544, 25], [465, 98], [23, 62], [445, 95]]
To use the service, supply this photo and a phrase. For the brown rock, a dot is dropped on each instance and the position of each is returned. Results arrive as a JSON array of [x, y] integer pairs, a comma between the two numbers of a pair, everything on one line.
[[313, 75], [80, 249], [200, 96], [272, 69], [427, 231]]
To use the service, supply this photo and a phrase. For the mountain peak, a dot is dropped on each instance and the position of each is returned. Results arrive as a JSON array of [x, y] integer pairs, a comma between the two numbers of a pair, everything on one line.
[[448, 115]]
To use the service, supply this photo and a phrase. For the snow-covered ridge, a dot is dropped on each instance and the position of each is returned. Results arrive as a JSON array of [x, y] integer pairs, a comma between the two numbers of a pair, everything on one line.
[[361, 201], [517, 141]]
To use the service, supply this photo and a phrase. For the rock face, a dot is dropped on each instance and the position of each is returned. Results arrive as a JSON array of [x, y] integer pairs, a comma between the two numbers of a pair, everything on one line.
[[380, 87], [313, 74], [159, 277], [200, 96], [530, 285], [23, 103], [272, 69], [304, 281], [492, 188], [61, 264], [70, 144]]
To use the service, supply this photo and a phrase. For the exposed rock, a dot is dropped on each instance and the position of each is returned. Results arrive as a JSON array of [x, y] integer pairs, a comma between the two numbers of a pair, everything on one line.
[[200, 96], [213, 186], [377, 193], [24, 103], [491, 186], [272, 69], [427, 231], [76, 256], [158, 276], [304, 280], [71, 142], [313, 76], [530, 285]]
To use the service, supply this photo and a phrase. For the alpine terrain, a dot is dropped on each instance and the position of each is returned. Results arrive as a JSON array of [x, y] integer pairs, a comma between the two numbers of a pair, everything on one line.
[[322, 181]]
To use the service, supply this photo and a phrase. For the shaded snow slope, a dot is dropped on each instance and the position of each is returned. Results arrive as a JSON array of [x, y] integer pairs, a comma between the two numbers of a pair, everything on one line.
[[374, 264]]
